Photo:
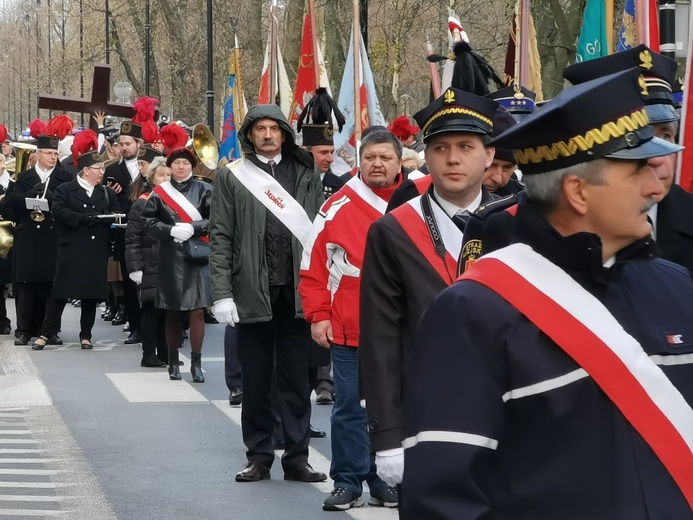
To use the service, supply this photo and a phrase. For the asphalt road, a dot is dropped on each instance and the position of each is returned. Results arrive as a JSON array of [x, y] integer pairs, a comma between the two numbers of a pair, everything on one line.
[[91, 435]]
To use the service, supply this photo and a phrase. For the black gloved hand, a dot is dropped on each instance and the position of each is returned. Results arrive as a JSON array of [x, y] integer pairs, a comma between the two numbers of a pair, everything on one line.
[[37, 190]]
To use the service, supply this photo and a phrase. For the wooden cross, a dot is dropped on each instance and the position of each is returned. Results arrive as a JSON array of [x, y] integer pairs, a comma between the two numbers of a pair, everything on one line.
[[99, 100]]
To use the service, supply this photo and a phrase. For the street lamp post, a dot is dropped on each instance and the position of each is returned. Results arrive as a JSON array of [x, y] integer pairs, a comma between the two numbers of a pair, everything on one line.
[[210, 68], [147, 44]]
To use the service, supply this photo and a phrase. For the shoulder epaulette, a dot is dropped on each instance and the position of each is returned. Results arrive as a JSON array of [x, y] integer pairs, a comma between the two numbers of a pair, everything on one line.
[[495, 206]]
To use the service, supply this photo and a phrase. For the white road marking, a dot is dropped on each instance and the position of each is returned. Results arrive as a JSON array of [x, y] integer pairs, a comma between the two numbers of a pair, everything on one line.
[[23, 390], [40, 513], [44, 472], [154, 387], [33, 498], [37, 485], [10, 460], [19, 441]]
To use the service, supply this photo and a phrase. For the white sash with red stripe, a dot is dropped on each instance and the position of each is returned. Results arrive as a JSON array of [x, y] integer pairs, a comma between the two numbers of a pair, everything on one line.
[[585, 329], [175, 200], [276, 199], [363, 197]]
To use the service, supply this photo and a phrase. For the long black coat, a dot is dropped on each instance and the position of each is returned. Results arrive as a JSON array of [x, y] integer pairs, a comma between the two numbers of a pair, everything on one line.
[[83, 251], [675, 227], [6, 264], [181, 286], [141, 251], [35, 243]]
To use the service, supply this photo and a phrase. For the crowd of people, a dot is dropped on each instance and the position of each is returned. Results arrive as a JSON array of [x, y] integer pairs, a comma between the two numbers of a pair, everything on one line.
[[495, 300]]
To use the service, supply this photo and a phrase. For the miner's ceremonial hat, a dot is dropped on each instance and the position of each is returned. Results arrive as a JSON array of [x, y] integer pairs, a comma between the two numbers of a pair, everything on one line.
[[457, 111], [658, 71], [601, 118], [128, 128], [517, 100]]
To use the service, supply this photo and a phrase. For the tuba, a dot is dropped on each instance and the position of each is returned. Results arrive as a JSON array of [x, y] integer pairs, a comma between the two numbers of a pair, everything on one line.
[[22, 152], [204, 146], [6, 238]]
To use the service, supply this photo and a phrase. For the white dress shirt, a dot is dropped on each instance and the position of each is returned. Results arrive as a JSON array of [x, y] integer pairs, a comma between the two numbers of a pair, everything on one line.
[[277, 158], [131, 165], [652, 213], [452, 209]]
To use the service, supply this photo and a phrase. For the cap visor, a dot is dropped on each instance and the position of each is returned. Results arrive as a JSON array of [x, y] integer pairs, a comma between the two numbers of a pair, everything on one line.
[[455, 129], [655, 147], [661, 113]]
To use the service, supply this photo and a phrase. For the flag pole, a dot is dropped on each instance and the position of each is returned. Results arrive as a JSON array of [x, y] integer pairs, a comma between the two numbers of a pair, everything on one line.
[[273, 71], [314, 39], [433, 68], [357, 79], [523, 53], [237, 67], [641, 21], [517, 25], [609, 11]]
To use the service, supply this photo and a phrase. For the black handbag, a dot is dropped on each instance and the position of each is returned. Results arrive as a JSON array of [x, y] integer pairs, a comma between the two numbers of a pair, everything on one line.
[[196, 251]]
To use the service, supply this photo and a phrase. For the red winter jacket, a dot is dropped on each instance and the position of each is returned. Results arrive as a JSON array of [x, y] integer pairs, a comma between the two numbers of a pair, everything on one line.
[[332, 259]]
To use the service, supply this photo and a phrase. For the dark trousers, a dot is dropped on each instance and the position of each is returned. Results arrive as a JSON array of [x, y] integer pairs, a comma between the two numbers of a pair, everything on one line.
[[153, 332], [232, 366], [54, 312], [320, 378], [4, 320], [131, 300], [32, 302], [289, 339]]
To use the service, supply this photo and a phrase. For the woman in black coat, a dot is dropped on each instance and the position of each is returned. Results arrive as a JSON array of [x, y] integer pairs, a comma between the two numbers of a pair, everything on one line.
[[142, 259], [183, 285], [84, 243]]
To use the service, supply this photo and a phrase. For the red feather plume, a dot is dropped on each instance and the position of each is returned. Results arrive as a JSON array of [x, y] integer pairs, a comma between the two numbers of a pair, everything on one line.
[[85, 141], [402, 128], [37, 127], [3, 133], [173, 136], [145, 108], [150, 131], [60, 126]]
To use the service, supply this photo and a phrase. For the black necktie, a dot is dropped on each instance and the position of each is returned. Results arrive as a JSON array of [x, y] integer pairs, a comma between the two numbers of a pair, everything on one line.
[[461, 218], [272, 164]]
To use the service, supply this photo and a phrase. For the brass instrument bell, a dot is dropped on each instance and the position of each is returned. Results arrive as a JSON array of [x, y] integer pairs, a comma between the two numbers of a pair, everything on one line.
[[6, 237], [37, 215]]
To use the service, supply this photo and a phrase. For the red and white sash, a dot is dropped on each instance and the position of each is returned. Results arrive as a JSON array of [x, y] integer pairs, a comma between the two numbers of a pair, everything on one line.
[[363, 197], [410, 216], [276, 199], [175, 200], [585, 329]]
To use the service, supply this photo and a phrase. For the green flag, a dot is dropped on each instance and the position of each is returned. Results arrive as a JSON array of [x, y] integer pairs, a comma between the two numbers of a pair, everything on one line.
[[592, 42]]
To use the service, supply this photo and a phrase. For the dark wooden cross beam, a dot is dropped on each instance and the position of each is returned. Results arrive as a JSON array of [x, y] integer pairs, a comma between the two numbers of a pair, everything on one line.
[[99, 100]]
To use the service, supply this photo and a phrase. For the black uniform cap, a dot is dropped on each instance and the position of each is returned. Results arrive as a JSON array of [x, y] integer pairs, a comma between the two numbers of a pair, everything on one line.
[[658, 71], [604, 117], [457, 111]]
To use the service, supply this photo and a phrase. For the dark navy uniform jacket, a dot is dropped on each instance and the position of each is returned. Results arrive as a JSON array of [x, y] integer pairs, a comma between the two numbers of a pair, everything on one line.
[[562, 454]]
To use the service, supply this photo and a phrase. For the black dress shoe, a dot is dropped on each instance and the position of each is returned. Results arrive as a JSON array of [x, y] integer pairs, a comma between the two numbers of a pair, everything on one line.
[[108, 314], [5, 330], [133, 339], [317, 434], [304, 473], [54, 340], [253, 472], [236, 396], [119, 318], [86, 345], [21, 340], [152, 362]]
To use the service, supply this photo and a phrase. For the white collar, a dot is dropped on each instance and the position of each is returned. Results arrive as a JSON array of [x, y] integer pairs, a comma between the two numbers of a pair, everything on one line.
[[451, 209], [277, 158], [5, 179], [133, 160], [43, 174], [652, 213], [84, 184]]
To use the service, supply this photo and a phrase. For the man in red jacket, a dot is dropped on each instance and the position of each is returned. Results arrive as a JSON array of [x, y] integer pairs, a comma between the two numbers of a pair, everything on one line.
[[329, 287]]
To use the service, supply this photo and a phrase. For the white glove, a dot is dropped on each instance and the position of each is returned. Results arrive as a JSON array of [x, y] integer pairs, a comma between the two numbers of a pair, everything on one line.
[[136, 276], [225, 311], [182, 232], [390, 466]]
